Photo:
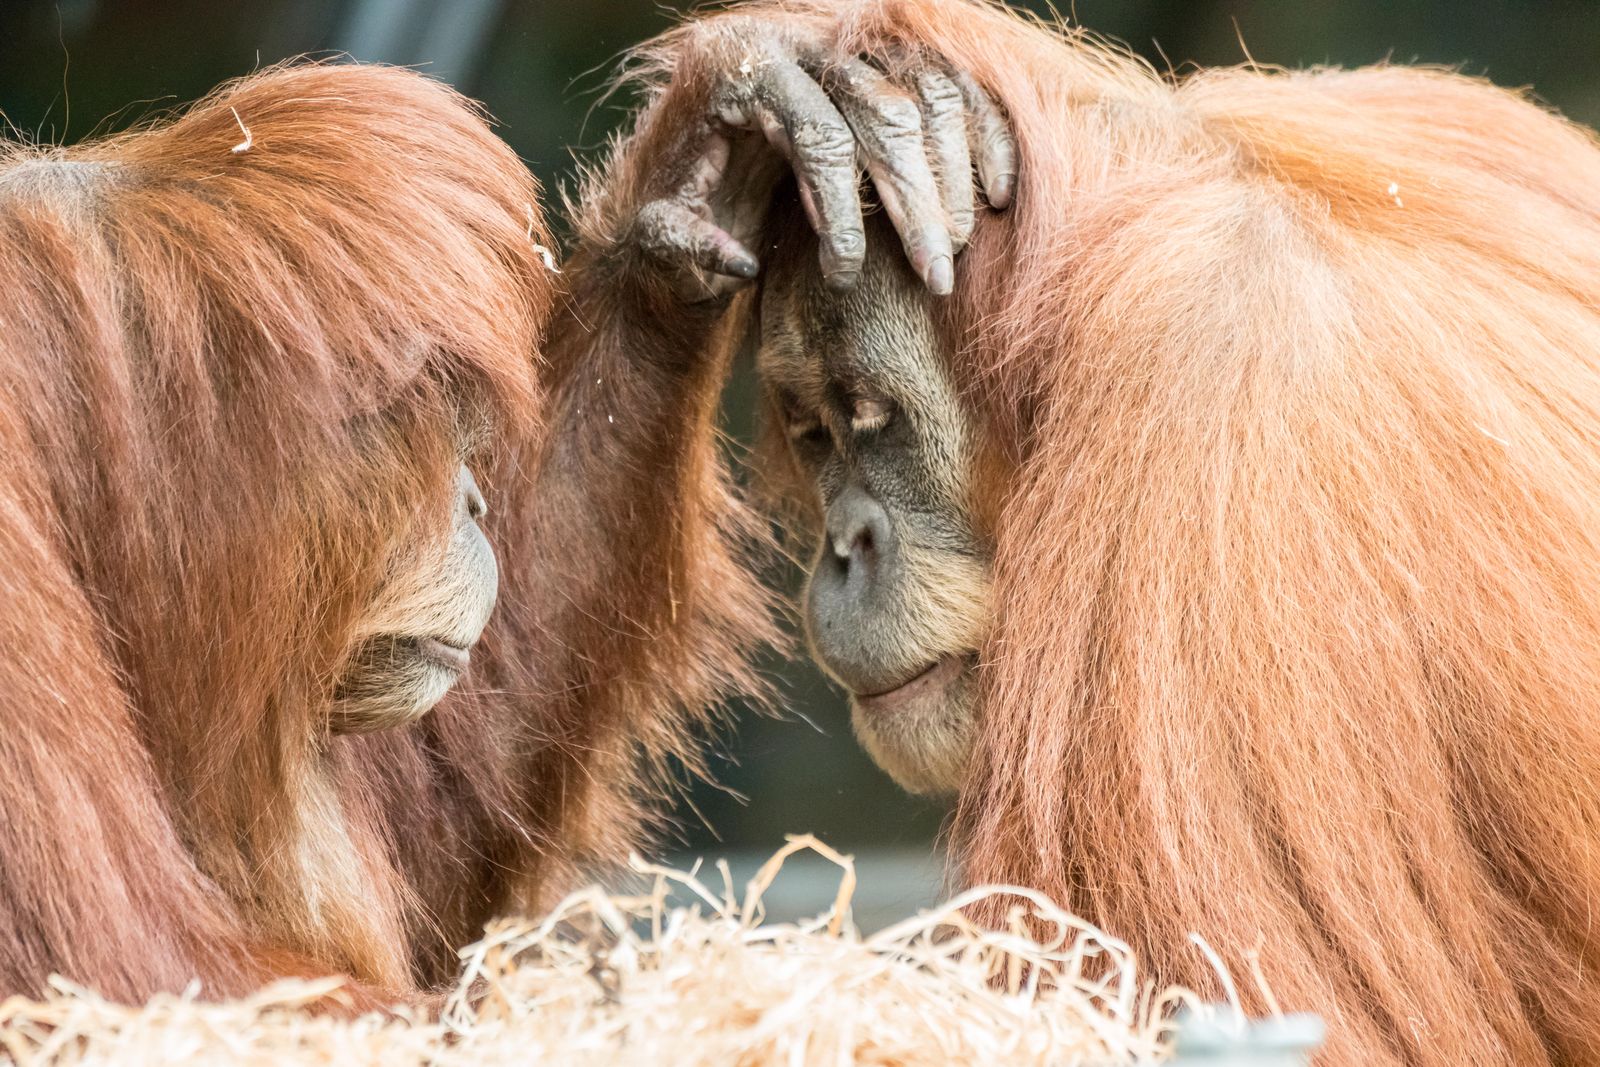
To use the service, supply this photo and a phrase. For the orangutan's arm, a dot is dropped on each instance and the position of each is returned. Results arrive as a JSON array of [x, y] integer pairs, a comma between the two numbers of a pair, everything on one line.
[[643, 598]]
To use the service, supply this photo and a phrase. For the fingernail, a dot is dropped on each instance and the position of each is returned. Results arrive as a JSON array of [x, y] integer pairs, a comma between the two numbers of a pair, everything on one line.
[[743, 267], [1000, 190], [842, 280], [941, 278]]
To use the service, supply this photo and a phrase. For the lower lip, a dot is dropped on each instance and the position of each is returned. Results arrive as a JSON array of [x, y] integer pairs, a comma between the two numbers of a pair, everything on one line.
[[450, 657], [936, 678]]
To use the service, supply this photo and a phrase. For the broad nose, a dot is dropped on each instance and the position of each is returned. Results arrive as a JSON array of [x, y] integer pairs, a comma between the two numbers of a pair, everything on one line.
[[858, 532], [471, 497]]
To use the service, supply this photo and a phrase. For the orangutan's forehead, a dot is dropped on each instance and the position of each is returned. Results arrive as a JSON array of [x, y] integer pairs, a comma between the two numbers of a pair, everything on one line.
[[814, 338]]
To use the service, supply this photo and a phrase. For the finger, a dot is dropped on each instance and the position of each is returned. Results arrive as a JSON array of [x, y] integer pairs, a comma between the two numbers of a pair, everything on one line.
[[888, 126], [674, 234], [944, 126], [801, 122], [992, 142]]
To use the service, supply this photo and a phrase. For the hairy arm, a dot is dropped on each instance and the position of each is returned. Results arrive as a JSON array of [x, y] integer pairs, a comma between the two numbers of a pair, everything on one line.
[[651, 608]]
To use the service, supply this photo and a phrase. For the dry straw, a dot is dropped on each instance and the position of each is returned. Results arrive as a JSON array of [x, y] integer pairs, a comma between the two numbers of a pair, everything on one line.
[[686, 973]]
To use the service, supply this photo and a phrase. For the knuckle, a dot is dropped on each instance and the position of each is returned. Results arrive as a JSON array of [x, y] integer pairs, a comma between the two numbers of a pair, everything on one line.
[[766, 51], [742, 50], [847, 242], [824, 142], [656, 229], [651, 218], [974, 96], [997, 141], [940, 96], [898, 117], [730, 101]]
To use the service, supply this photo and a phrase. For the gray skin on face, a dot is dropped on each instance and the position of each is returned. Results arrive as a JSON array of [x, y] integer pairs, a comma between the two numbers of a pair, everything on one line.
[[416, 640], [896, 602]]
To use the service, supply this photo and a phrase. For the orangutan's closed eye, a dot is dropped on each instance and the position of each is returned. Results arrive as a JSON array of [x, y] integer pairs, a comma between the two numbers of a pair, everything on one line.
[[416, 640], [895, 606]]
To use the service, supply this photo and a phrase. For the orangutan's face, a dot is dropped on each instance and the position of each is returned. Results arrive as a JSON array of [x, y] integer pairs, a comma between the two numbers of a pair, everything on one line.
[[420, 633], [896, 603]]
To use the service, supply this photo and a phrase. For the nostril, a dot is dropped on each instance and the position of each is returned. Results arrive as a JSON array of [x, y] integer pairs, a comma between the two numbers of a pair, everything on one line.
[[471, 495], [857, 528], [864, 544], [853, 545]]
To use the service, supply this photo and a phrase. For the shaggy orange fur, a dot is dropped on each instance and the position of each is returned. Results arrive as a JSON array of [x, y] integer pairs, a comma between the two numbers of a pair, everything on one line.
[[1295, 382], [235, 372]]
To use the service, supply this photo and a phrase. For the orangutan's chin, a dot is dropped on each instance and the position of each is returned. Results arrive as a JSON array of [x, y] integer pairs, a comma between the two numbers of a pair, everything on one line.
[[921, 731]]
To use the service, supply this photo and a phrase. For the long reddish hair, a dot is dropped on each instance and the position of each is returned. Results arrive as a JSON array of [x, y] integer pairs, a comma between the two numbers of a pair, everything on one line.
[[240, 351], [1295, 382]]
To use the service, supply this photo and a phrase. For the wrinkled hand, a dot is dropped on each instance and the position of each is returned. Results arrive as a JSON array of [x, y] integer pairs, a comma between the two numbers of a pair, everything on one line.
[[769, 97]]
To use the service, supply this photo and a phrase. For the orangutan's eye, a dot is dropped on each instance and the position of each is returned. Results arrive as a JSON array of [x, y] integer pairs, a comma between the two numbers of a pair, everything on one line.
[[870, 413], [809, 433]]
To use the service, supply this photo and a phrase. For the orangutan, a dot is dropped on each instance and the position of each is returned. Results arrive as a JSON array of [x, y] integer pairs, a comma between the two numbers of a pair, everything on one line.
[[1226, 543]]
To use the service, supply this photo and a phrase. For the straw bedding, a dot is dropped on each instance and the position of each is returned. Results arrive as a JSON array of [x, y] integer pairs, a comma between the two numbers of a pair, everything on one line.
[[686, 972]]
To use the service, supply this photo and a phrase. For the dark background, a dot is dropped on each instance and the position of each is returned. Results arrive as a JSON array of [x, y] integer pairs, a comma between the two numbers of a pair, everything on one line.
[[69, 68]]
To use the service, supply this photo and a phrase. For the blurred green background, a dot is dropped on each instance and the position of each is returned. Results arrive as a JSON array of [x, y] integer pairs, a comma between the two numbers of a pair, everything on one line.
[[69, 68]]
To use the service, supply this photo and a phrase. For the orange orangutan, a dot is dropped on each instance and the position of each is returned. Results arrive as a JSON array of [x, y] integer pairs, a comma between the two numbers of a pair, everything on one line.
[[1229, 541], [273, 376]]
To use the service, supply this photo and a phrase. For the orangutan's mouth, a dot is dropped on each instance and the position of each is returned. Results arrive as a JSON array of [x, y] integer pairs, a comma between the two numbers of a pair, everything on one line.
[[443, 654], [934, 678]]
